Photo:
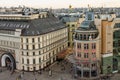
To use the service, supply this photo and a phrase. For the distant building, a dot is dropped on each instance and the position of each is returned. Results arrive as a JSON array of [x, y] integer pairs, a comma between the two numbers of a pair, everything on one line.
[[31, 41]]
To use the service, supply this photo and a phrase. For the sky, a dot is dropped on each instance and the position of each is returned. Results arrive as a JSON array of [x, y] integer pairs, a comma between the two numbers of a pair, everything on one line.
[[60, 3]]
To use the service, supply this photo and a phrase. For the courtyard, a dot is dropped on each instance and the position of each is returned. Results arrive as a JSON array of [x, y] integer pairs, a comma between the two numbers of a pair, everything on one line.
[[58, 71]]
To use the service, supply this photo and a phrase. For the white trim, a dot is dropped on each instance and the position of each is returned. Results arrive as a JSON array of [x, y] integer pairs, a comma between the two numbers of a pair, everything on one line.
[[107, 55], [3, 60], [115, 71]]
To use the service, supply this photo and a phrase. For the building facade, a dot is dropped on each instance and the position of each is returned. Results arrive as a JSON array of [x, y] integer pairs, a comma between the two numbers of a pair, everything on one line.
[[96, 46], [31, 42], [86, 48]]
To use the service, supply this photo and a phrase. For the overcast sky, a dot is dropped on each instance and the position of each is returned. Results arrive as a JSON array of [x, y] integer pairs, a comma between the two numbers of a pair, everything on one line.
[[60, 3]]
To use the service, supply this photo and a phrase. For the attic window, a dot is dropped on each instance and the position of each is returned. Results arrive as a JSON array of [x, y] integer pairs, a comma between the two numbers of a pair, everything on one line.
[[73, 25], [68, 25]]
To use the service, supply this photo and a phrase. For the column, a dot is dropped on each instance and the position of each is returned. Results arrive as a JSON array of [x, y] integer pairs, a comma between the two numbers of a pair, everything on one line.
[[75, 48], [90, 70], [98, 69], [81, 70]]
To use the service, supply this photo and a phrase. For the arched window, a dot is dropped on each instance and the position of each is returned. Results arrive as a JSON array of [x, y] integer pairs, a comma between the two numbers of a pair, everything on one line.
[[95, 35], [92, 36], [84, 37], [80, 36], [76, 36], [88, 36]]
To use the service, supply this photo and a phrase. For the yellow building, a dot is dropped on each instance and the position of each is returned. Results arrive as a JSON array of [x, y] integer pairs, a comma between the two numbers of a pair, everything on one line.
[[72, 23]]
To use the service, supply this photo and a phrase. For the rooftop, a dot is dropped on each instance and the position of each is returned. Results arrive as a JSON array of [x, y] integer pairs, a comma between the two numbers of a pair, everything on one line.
[[87, 25], [34, 26]]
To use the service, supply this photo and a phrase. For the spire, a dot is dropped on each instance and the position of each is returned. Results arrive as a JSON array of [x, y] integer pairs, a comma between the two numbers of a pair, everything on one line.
[[70, 8], [90, 8]]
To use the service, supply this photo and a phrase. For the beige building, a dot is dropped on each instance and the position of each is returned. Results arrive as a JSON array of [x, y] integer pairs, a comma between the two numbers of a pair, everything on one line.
[[31, 42], [72, 23]]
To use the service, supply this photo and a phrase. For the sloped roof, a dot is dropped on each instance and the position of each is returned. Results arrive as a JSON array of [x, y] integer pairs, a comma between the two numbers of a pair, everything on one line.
[[32, 27]]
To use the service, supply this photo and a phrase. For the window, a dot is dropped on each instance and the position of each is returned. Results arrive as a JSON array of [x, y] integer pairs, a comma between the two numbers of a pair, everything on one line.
[[38, 39], [23, 67], [27, 47], [93, 46], [84, 37], [80, 36], [49, 55], [118, 42], [78, 45], [39, 60], [73, 25], [86, 46], [34, 68], [43, 58], [27, 53], [68, 25], [79, 54], [33, 53], [53, 53], [89, 16], [33, 46], [33, 61], [76, 35], [28, 68], [39, 46], [86, 55], [21, 39], [22, 53], [39, 52], [27, 61], [26, 40], [93, 55], [88, 37], [33, 40], [86, 65], [22, 60], [92, 36], [93, 65]]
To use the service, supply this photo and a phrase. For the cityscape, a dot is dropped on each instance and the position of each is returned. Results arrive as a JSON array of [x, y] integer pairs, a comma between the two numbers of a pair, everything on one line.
[[73, 43]]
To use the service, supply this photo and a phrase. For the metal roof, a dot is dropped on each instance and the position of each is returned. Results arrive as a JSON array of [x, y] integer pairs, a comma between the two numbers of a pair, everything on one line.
[[33, 27], [87, 25]]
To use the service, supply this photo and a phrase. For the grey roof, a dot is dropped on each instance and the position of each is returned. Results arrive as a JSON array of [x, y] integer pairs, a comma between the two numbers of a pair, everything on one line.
[[69, 19], [32, 27]]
